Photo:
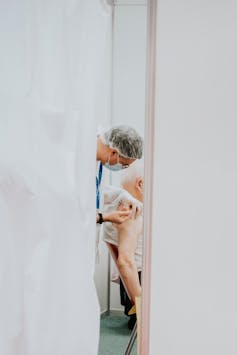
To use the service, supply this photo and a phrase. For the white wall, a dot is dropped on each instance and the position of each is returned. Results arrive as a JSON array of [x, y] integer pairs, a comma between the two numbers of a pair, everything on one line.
[[129, 62], [129, 54], [194, 265]]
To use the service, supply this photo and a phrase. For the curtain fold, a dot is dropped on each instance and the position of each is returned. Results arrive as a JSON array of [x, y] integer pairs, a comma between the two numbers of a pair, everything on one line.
[[50, 61]]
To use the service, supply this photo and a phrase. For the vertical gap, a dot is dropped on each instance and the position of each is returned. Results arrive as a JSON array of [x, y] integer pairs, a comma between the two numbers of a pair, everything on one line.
[[149, 175], [111, 114]]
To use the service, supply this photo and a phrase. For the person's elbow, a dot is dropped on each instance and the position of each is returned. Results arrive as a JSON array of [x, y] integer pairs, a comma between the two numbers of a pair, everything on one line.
[[125, 260]]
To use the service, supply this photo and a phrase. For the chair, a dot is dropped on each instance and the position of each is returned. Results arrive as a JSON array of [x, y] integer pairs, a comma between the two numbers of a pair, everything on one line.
[[113, 249]]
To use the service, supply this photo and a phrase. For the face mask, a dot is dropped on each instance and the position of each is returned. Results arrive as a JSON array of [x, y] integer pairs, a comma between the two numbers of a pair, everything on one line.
[[115, 167]]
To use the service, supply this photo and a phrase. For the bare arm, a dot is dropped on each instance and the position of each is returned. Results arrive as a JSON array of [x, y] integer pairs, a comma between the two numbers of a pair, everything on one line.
[[129, 233]]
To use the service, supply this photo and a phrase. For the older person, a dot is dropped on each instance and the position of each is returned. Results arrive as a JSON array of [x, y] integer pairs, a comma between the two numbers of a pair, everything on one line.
[[117, 148], [127, 236]]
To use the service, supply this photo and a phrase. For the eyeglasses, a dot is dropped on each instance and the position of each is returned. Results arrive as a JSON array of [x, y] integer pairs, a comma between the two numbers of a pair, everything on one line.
[[124, 166]]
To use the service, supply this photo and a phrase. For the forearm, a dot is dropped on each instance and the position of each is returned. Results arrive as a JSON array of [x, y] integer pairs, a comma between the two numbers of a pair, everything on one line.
[[113, 217], [130, 277], [128, 237], [106, 217]]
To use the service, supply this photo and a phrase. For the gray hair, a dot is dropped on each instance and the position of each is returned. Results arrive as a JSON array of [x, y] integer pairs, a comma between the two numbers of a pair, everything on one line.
[[126, 139], [134, 171]]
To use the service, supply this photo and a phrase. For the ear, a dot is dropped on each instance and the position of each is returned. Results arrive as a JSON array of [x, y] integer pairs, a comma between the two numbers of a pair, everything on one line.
[[113, 155], [113, 151], [139, 184]]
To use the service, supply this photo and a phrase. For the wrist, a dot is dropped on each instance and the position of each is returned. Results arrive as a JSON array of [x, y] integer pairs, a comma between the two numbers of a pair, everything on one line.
[[100, 218], [105, 218]]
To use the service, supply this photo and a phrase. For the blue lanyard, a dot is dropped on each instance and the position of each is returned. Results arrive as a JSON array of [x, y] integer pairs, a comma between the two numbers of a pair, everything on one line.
[[98, 181]]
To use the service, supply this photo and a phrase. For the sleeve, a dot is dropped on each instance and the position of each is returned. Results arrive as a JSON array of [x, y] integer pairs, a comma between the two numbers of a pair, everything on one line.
[[113, 196]]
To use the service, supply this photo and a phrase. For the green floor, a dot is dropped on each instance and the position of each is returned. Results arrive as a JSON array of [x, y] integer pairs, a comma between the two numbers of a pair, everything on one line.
[[114, 336]]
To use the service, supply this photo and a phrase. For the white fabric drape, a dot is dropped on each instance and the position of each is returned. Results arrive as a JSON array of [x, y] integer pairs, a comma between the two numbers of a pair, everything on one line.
[[50, 57]]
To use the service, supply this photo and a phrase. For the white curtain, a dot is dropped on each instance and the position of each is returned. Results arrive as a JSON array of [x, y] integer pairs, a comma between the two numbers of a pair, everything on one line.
[[51, 53]]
